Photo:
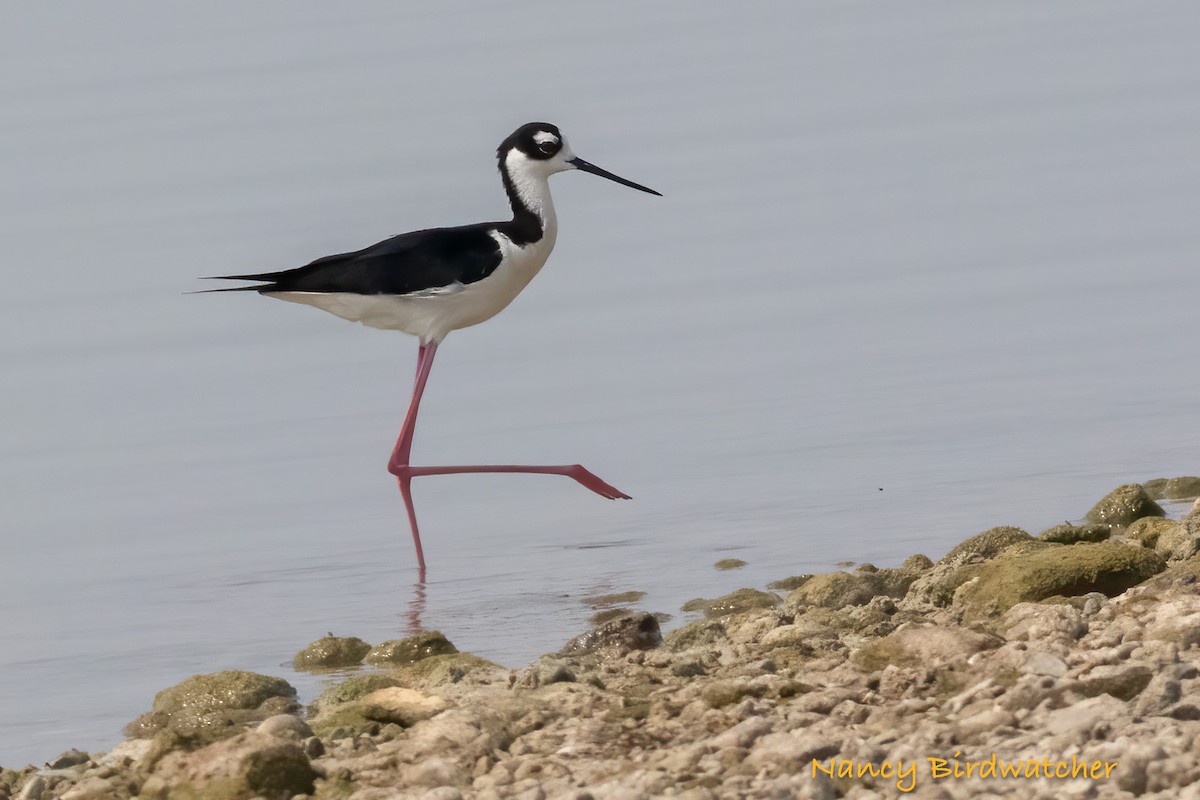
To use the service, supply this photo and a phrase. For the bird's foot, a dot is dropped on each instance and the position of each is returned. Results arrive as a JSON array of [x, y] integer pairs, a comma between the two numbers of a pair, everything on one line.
[[577, 472]]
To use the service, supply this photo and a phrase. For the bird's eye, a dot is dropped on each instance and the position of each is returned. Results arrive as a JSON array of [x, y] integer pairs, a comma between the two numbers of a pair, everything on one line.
[[548, 148]]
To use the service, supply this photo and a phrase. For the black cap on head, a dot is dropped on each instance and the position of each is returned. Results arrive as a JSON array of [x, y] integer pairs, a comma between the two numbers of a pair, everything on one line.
[[537, 140]]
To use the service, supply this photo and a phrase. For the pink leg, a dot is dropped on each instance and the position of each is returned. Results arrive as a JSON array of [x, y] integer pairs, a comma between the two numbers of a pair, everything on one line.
[[588, 479], [400, 455], [399, 464]]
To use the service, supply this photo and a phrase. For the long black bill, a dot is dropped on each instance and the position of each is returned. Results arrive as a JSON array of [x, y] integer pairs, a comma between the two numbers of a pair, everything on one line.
[[580, 164]]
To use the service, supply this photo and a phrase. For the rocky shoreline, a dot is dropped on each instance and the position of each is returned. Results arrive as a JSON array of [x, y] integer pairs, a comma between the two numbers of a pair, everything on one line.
[[1058, 665]]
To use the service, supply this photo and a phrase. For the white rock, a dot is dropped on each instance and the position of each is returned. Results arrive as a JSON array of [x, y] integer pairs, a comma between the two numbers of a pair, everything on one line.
[[1039, 662], [285, 726], [408, 706]]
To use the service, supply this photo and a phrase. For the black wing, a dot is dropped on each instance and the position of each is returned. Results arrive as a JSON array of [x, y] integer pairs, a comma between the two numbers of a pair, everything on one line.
[[410, 262]]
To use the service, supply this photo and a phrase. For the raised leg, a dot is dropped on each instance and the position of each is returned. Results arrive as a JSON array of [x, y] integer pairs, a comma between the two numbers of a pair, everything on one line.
[[587, 479], [400, 466]]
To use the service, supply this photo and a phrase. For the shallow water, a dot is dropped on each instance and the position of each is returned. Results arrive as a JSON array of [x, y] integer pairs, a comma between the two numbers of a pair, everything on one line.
[[919, 270]]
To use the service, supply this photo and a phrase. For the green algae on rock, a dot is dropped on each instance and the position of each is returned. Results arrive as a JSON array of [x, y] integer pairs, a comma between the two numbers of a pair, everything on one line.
[[450, 668], [1182, 488], [936, 584], [1147, 530], [331, 652], [349, 690], [218, 701], [840, 589], [1067, 533], [414, 648], [740, 600], [345, 721], [729, 563], [916, 563], [1029, 576], [835, 590], [988, 544], [1122, 506], [790, 583], [248, 765]]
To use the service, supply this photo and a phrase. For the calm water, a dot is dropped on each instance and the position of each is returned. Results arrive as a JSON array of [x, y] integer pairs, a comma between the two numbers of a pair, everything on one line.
[[944, 250]]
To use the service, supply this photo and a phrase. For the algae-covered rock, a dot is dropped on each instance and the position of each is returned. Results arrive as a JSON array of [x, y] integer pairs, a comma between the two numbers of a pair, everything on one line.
[[988, 544], [248, 765], [622, 635], [1066, 533], [936, 584], [1182, 488], [835, 590], [1147, 530], [350, 690], [790, 583], [330, 652], [894, 581], [345, 721], [414, 648], [1122, 506], [1106, 567], [452, 668], [916, 564], [739, 601], [841, 589], [729, 563], [71, 758], [216, 701]]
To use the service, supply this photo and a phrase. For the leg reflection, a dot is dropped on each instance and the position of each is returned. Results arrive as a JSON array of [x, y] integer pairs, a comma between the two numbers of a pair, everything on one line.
[[416, 606]]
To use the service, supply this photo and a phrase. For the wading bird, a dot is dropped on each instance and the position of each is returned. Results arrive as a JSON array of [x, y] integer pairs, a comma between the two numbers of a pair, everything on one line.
[[431, 282]]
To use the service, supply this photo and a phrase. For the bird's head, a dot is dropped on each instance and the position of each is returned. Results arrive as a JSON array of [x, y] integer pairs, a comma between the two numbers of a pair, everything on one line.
[[538, 150]]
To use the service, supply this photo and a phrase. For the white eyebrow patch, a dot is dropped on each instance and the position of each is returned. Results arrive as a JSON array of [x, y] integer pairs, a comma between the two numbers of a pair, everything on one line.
[[543, 137]]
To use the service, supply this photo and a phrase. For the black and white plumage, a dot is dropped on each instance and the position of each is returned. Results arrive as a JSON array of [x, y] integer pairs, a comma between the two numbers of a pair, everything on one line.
[[430, 282]]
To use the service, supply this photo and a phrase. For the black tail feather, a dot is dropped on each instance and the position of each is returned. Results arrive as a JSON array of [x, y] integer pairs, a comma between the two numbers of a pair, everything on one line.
[[266, 279]]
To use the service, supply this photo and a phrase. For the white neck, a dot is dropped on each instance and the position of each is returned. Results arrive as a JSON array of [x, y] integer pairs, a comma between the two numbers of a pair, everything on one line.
[[531, 186]]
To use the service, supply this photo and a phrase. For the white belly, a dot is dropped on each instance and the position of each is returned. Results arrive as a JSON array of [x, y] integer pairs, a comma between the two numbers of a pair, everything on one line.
[[432, 314]]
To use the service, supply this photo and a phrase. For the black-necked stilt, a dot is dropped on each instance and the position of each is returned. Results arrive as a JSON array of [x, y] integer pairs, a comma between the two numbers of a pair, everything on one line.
[[431, 282]]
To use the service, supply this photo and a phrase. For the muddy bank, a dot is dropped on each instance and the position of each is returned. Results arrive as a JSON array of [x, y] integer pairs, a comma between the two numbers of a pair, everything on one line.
[[1063, 663]]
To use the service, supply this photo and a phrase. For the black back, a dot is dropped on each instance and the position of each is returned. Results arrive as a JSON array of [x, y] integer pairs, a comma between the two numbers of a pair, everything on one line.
[[410, 262], [428, 259]]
